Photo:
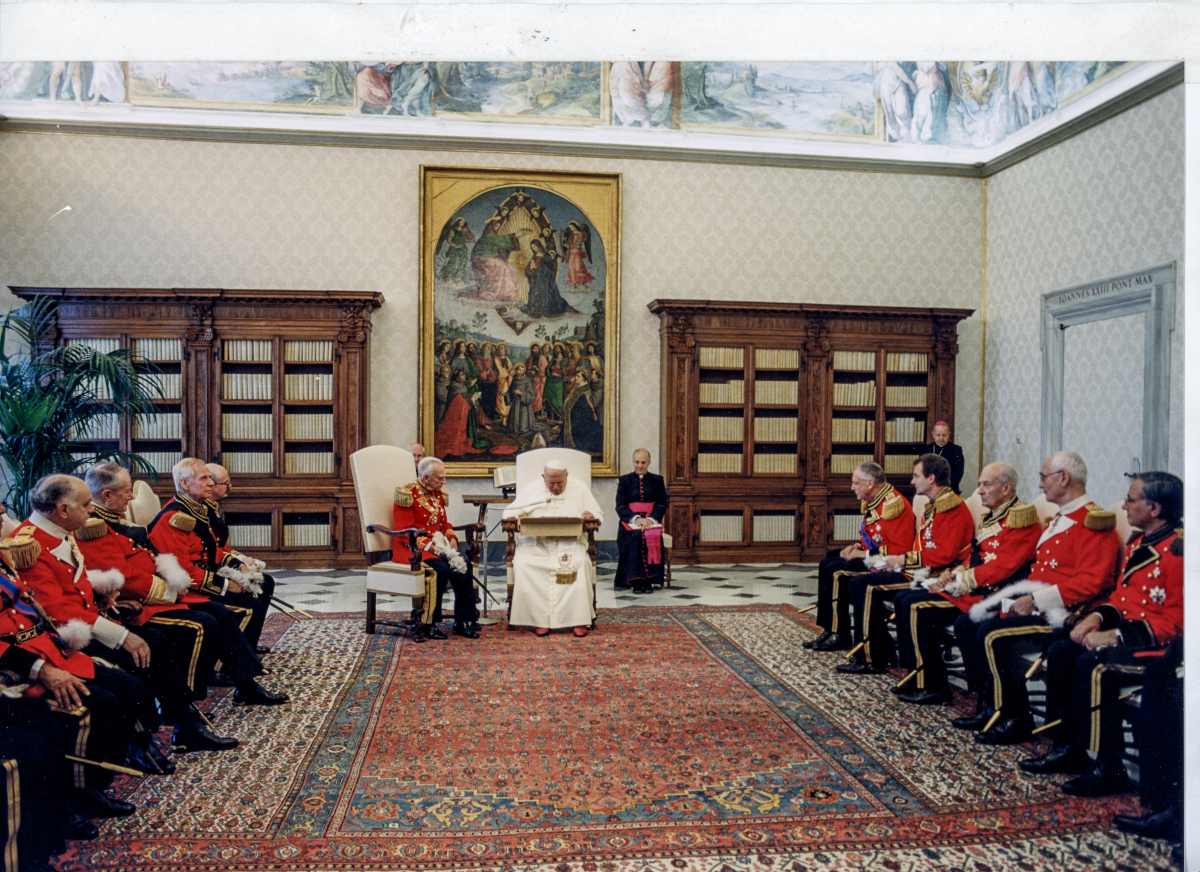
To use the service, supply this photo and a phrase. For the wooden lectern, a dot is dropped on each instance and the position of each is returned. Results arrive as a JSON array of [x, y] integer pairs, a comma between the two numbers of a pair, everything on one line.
[[547, 528]]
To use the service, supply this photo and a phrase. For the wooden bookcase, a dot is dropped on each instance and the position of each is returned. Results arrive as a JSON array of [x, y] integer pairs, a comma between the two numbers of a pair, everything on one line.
[[767, 409], [271, 384]]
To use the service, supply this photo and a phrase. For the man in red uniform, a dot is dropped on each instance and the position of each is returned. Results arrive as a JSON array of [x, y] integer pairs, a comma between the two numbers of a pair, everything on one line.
[[80, 601], [156, 587], [1077, 560], [33, 651], [422, 504], [185, 528], [1111, 647], [1001, 552], [887, 528], [942, 541]]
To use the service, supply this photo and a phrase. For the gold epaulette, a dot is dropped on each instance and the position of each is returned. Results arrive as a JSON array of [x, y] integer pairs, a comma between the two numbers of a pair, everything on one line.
[[183, 521], [1176, 546], [1021, 515], [893, 507], [947, 501], [93, 528], [404, 498], [1099, 520], [21, 553]]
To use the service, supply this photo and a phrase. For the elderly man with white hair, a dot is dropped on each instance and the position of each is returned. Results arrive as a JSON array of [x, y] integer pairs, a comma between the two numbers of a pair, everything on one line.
[[553, 576]]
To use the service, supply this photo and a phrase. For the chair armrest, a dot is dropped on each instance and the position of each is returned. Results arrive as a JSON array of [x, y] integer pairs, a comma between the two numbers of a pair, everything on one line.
[[414, 562], [510, 526], [473, 531]]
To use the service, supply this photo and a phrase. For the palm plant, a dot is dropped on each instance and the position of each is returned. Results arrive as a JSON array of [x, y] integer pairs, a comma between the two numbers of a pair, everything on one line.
[[50, 396]]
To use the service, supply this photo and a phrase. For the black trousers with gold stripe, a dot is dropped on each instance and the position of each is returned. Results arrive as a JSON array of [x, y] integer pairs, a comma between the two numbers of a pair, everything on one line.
[[193, 637], [235, 652], [992, 656], [921, 618], [1082, 687], [868, 593], [833, 591], [35, 781], [258, 605]]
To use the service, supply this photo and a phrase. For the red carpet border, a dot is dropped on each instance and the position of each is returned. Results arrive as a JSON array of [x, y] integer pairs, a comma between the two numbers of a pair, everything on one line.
[[700, 738]]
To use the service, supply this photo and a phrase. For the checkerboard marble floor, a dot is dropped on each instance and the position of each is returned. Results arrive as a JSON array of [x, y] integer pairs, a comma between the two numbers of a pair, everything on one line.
[[343, 590]]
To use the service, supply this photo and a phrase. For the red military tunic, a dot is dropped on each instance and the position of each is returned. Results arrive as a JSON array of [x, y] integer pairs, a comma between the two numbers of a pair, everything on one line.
[[182, 529], [60, 583], [944, 537], [888, 522], [109, 548], [1147, 605], [417, 506], [23, 626], [1006, 543], [1078, 555]]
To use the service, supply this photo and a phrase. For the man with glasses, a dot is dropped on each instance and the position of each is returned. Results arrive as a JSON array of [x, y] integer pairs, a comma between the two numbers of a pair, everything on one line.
[[1076, 564], [1111, 647], [887, 528]]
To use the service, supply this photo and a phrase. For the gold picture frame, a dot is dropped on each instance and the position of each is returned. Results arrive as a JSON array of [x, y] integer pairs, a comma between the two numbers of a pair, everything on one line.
[[520, 315]]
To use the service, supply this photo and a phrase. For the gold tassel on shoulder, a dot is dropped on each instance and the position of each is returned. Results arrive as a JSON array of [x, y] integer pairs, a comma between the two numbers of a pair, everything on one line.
[[92, 529], [1022, 515], [183, 521]]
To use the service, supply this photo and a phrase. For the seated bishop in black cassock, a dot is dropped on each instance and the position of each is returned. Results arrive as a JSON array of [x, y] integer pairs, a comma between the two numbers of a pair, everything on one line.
[[641, 497]]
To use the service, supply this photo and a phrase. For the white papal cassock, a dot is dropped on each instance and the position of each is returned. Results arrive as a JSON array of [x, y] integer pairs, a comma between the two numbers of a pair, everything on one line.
[[538, 599]]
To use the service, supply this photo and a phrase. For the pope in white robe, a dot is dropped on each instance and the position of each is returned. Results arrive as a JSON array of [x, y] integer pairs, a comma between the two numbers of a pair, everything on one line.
[[543, 598]]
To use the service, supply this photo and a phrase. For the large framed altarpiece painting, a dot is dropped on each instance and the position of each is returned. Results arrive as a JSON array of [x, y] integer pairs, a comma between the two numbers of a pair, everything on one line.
[[520, 306]]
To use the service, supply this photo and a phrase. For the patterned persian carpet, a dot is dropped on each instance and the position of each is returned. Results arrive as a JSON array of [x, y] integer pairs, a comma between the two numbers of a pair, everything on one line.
[[698, 739]]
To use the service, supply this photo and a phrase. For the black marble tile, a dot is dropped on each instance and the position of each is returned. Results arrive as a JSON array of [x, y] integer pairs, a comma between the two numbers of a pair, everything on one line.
[[687, 596], [746, 595]]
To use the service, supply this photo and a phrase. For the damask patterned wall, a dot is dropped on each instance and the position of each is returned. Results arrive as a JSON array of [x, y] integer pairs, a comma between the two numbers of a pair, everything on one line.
[[1106, 202], [193, 214]]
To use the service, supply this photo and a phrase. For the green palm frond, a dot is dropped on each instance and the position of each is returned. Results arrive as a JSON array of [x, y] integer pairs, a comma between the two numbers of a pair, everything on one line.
[[50, 394]]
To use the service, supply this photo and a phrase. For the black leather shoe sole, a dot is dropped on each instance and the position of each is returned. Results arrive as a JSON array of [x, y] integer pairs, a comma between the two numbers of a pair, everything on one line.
[[1006, 733], [1050, 763], [813, 643], [1155, 825], [927, 697], [94, 803], [974, 722]]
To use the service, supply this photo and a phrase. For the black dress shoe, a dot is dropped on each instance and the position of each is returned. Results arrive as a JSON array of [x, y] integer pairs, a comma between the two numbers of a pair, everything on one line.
[[813, 643], [220, 679], [835, 642], [466, 630], [1101, 780], [255, 694], [196, 736], [1164, 824], [1008, 731], [79, 829], [433, 631], [262, 649], [928, 697], [859, 667], [1060, 758], [93, 802], [975, 722], [145, 755]]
